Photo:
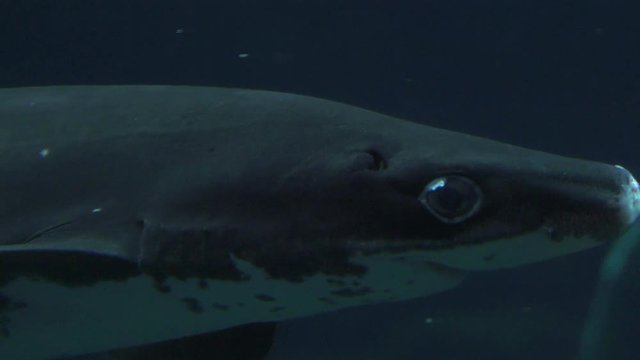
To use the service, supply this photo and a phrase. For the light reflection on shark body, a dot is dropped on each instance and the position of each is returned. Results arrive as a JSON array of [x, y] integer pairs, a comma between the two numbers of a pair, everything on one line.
[[139, 214]]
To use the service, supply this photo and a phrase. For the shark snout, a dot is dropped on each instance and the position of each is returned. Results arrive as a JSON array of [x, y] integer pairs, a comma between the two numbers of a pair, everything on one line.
[[629, 201]]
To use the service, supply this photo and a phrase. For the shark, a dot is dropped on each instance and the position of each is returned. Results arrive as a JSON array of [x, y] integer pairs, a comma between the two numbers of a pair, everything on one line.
[[138, 215]]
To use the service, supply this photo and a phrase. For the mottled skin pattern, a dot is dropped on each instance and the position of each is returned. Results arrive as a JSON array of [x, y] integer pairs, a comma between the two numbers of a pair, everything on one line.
[[216, 188]]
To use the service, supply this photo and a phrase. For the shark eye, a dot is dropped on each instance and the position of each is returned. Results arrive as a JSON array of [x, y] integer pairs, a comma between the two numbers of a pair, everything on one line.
[[451, 199]]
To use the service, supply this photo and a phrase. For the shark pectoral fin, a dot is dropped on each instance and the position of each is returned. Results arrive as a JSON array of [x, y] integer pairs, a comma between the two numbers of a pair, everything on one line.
[[246, 342], [93, 234], [73, 254]]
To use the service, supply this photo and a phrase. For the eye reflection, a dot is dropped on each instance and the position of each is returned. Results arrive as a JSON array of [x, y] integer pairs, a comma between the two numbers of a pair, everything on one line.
[[451, 199]]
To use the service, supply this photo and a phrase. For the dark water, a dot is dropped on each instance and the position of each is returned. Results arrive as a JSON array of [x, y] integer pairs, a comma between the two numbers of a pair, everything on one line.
[[560, 76]]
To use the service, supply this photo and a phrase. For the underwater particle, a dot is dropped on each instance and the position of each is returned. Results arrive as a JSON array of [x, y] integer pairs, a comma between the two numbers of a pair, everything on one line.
[[44, 153], [180, 31], [428, 320], [96, 210], [243, 56]]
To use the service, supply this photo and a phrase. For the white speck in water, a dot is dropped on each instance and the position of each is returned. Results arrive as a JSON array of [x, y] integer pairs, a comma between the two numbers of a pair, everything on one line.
[[243, 55], [180, 31], [428, 320], [44, 153], [96, 210]]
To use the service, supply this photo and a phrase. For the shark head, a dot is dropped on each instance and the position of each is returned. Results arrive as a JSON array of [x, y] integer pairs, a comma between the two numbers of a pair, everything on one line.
[[399, 189], [479, 205]]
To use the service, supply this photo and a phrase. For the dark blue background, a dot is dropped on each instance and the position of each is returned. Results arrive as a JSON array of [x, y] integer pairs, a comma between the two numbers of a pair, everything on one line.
[[561, 75], [557, 75]]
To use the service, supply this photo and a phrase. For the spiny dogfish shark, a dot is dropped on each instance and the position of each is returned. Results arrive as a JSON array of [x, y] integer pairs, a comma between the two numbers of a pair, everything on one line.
[[135, 215]]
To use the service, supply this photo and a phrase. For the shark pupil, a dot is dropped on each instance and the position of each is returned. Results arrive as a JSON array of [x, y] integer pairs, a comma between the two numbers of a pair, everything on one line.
[[451, 199]]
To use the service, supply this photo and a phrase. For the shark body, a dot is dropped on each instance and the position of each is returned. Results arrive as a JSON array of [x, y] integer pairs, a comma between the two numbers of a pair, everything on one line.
[[138, 214]]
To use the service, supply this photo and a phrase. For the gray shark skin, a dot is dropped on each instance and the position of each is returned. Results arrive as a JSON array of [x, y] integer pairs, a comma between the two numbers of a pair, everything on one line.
[[138, 214]]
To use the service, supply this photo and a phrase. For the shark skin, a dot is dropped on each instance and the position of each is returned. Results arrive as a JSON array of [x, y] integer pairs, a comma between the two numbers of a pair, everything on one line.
[[138, 214]]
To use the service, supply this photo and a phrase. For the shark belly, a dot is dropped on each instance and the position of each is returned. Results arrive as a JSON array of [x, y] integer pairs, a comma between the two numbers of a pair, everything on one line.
[[67, 321]]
